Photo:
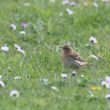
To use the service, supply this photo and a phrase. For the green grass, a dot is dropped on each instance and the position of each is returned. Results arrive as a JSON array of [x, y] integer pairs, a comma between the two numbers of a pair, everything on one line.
[[51, 26]]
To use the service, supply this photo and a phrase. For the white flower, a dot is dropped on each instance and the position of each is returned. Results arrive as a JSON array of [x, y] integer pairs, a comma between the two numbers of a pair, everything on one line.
[[107, 96], [9, 68], [17, 77], [54, 88], [13, 26], [106, 82], [24, 25], [14, 94], [45, 81], [93, 56], [52, 1], [0, 76], [95, 4], [82, 76], [74, 73], [22, 51], [19, 48], [26, 4], [64, 2], [5, 48], [70, 12], [22, 32], [93, 40], [2, 84], [105, 0], [73, 3], [108, 79], [64, 76]]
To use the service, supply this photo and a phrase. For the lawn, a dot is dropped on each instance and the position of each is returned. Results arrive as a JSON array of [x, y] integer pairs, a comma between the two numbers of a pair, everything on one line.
[[39, 28]]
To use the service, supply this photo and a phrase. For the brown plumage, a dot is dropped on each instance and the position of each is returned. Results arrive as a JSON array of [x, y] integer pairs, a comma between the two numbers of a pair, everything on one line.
[[71, 58]]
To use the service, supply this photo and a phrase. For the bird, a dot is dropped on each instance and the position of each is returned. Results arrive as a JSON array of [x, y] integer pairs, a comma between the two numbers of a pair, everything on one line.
[[71, 59]]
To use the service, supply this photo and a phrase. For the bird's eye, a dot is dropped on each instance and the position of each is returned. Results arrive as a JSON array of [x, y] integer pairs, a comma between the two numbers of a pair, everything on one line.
[[67, 49]]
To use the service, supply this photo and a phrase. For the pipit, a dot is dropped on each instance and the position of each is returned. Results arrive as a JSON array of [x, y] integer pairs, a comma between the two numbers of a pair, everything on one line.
[[71, 59]]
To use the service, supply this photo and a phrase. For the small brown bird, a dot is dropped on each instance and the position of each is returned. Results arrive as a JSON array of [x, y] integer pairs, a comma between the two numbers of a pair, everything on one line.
[[71, 58]]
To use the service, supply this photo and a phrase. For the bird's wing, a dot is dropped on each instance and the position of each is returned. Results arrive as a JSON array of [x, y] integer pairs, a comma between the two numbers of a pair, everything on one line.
[[76, 57]]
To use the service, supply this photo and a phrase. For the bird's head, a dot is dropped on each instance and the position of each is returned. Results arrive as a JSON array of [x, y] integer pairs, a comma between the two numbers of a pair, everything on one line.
[[66, 48]]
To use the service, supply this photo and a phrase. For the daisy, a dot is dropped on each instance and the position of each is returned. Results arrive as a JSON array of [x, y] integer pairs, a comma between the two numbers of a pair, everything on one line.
[[19, 48], [13, 26], [22, 32], [0, 76], [106, 82], [73, 3], [64, 2], [17, 77], [22, 51], [74, 73], [93, 40], [2, 84], [93, 56], [107, 96], [64, 76], [105, 1], [24, 25], [70, 12], [14, 94], [54, 88], [5, 48], [82, 76]]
